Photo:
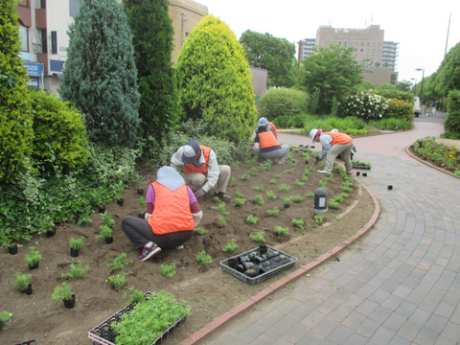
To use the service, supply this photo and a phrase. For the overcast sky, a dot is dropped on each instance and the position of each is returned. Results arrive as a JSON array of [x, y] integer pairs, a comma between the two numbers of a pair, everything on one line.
[[419, 27]]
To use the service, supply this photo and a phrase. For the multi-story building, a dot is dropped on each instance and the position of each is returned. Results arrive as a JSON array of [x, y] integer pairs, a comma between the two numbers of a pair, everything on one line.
[[379, 57]]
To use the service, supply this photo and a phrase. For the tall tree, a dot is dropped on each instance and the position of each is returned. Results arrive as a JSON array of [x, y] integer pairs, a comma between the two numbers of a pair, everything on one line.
[[15, 112], [100, 77], [404, 85], [276, 55], [215, 82], [333, 72], [449, 71], [152, 40]]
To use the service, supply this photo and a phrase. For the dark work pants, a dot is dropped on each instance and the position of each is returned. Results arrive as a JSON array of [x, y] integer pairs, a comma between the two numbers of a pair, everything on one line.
[[140, 233]]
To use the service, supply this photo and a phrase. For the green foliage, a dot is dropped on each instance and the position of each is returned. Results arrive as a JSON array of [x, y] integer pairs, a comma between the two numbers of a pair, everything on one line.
[[33, 257], [393, 123], [16, 121], [239, 202], [271, 195], [203, 258], [215, 82], [215, 199], [304, 179], [221, 208], [168, 270], [449, 71], [333, 71], [22, 280], [230, 247], [284, 188], [231, 181], [5, 318], [298, 223], [273, 182], [201, 231], [310, 195], [298, 183], [262, 168], [253, 171], [333, 204], [277, 175], [251, 220], [103, 84], [106, 232], [289, 171], [318, 219], [364, 105], [297, 198], [395, 94], [244, 177], [117, 281], [76, 271], [62, 292], [452, 122], [286, 200], [119, 262], [259, 200], [142, 204], [153, 45], [283, 102], [273, 213], [76, 244], [287, 121], [281, 231], [60, 138], [258, 188], [135, 297], [84, 218], [238, 194], [258, 237], [222, 222]]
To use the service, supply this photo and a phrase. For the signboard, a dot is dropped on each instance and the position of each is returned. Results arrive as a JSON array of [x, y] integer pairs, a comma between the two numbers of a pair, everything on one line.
[[34, 68], [57, 66], [34, 82]]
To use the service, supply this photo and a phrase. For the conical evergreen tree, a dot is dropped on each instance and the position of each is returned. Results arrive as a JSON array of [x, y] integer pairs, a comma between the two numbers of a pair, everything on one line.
[[214, 81], [152, 40], [100, 76], [15, 113]]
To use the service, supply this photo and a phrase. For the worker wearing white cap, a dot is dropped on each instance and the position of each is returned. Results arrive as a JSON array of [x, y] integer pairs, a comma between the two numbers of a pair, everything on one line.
[[333, 144]]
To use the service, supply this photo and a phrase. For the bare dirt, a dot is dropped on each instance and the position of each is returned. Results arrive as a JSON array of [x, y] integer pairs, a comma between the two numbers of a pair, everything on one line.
[[207, 289]]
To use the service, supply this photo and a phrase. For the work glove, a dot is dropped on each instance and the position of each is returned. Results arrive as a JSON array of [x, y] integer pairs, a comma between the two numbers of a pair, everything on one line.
[[199, 193], [354, 148]]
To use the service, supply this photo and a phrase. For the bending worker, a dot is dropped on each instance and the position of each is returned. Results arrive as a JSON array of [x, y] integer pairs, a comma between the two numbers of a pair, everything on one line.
[[202, 172], [333, 144], [269, 126], [172, 214], [268, 147]]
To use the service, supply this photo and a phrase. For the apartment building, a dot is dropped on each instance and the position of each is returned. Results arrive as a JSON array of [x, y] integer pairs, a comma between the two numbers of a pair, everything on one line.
[[379, 57]]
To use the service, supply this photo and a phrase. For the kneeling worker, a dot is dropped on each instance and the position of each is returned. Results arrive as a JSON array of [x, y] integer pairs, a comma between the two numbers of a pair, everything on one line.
[[268, 147], [201, 169]]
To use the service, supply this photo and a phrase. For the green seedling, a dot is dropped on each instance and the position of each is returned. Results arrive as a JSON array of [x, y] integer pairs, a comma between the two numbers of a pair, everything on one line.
[[290, 155], [298, 223], [304, 179], [259, 237], [135, 296], [284, 188], [230, 247], [298, 183], [84, 218], [201, 231], [292, 164], [346, 189], [306, 159], [253, 160], [203, 258], [253, 171], [245, 177], [295, 149], [221, 209], [231, 181], [315, 154], [62, 292], [107, 220], [251, 220], [222, 222], [307, 172], [259, 200], [333, 204], [273, 213], [235, 165], [329, 177], [76, 244], [76, 271], [268, 163], [239, 202], [272, 181], [117, 281], [262, 168], [142, 204], [215, 199], [312, 169], [22, 281], [271, 195], [297, 198], [120, 262], [338, 199], [288, 171], [277, 175], [286, 200], [5, 318], [258, 188], [318, 219], [168, 270], [33, 257], [323, 184], [310, 195], [139, 181], [281, 231], [343, 195], [106, 232], [238, 194]]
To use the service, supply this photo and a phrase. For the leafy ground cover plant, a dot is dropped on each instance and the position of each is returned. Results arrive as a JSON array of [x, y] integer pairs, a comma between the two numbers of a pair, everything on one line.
[[346, 187], [318, 219], [120, 262], [22, 281], [298, 223], [76, 271], [277, 175], [201, 231], [33, 257], [310, 195], [258, 188], [258, 237], [203, 258], [135, 295], [259, 200], [231, 181], [5, 318], [323, 184], [230, 247], [286, 200], [298, 183], [281, 231], [107, 219], [168, 270], [117, 281], [106, 232], [239, 202], [343, 195], [251, 220], [142, 204], [62, 292], [253, 171], [273, 182], [268, 163], [288, 171], [222, 222], [273, 213], [304, 179], [271, 195], [307, 172], [244, 177], [221, 209], [297, 198], [333, 204], [238, 194], [236, 163], [76, 244], [284, 188], [215, 199], [262, 168], [84, 218]]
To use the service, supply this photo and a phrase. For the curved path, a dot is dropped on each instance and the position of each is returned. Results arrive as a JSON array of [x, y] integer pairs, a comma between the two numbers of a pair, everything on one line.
[[399, 284]]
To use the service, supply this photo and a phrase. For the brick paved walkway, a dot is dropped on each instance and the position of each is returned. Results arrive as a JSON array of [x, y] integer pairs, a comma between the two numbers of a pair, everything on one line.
[[400, 284]]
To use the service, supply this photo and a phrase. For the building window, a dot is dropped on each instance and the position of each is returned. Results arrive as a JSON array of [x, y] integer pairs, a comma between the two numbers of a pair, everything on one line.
[[345, 43], [74, 7], [23, 3], [24, 35], [379, 44], [367, 50], [378, 56], [42, 3], [340, 42], [372, 56], [328, 42], [360, 56], [44, 41], [54, 42], [356, 43], [362, 43], [367, 56], [373, 50], [361, 50], [368, 43], [373, 44], [378, 50]]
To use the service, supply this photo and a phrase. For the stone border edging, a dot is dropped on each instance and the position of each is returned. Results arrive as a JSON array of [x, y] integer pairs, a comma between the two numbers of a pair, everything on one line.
[[242, 307], [429, 164]]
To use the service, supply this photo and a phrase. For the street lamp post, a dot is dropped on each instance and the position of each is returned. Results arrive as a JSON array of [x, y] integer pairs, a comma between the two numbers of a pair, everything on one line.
[[415, 85], [421, 87]]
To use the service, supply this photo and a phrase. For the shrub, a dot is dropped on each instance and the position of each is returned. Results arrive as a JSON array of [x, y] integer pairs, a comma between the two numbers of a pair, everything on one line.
[[296, 121], [15, 110], [215, 82], [395, 94], [400, 109], [230, 247], [364, 105], [283, 102], [33, 257], [106, 232], [168, 270], [5, 318], [452, 122], [203, 258]]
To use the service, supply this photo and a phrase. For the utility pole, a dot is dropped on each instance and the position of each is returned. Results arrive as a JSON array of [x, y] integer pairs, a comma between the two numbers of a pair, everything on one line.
[[447, 39]]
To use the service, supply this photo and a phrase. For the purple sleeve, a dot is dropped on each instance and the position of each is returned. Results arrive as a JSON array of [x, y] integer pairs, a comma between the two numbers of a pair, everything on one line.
[[194, 207], [191, 195], [150, 197]]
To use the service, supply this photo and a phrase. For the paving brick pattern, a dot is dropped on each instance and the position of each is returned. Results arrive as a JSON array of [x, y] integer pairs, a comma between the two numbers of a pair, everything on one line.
[[399, 284]]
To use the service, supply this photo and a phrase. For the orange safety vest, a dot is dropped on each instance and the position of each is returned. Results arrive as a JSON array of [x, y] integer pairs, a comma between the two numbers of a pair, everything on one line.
[[172, 210], [274, 128], [203, 169], [267, 139], [339, 138]]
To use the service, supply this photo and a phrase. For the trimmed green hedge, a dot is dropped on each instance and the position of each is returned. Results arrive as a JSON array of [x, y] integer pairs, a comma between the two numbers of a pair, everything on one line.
[[283, 102]]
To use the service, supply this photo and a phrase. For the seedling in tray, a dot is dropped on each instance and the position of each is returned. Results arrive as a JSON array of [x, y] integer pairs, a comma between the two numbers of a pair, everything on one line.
[[119, 262], [259, 237], [203, 258], [230, 247], [168, 270], [117, 281], [251, 220], [271, 195], [273, 213], [76, 271], [281, 231], [201, 231], [298, 223], [221, 209]]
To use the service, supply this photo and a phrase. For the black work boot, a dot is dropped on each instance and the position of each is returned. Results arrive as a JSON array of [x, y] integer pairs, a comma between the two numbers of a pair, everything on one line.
[[223, 197]]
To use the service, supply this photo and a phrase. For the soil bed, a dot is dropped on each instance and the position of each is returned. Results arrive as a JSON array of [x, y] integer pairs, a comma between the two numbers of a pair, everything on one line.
[[209, 291], [437, 164]]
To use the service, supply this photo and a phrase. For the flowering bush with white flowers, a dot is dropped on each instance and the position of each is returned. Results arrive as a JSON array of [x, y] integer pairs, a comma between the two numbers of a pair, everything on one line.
[[364, 105]]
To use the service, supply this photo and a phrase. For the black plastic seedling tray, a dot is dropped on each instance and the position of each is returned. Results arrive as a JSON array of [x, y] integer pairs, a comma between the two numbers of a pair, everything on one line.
[[103, 333], [261, 277]]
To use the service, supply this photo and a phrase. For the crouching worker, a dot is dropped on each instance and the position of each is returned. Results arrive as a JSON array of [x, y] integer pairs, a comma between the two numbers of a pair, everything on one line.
[[172, 214], [202, 171], [266, 145]]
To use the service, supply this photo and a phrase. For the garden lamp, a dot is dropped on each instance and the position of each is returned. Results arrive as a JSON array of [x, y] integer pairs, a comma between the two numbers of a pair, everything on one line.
[[320, 201]]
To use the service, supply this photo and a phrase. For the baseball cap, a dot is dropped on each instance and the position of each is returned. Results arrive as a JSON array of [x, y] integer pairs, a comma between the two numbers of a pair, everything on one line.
[[263, 122], [314, 132], [190, 150]]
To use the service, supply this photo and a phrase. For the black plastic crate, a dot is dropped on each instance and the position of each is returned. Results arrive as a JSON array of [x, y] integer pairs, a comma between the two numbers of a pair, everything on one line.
[[103, 333], [261, 277]]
